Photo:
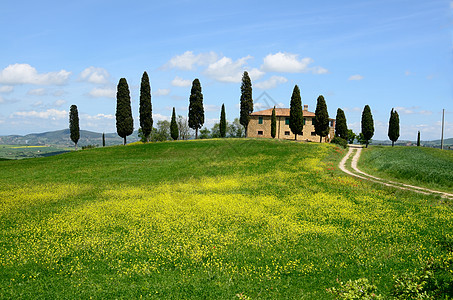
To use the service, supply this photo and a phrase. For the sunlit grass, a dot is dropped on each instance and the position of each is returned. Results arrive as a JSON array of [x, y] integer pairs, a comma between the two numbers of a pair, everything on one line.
[[205, 219]]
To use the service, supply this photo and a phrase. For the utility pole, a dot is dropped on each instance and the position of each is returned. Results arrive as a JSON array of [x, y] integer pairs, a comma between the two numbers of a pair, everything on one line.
[[442, 137]]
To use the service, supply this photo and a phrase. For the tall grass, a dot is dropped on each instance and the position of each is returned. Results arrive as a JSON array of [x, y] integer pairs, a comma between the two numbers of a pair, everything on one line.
[[205, 219], [417, 165]]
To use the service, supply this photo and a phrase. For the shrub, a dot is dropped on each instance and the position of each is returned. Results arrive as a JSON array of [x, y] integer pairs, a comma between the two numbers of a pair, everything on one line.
[[357, 289], [89, 147], [339, 141]]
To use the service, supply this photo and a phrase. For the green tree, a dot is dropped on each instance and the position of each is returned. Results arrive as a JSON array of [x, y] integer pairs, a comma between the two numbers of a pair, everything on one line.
[[367, 125], [273, 124], [394, 126], [103, 139], [321, 118], [162, 132], [174, 126], [341, 129], [246, 101], [183, 127], [196, 110], [205, 133], [74, 124], [124, 121], [296, 118], [223, 122], [146, 116], [351, 136], [418, 139], [235, 129]]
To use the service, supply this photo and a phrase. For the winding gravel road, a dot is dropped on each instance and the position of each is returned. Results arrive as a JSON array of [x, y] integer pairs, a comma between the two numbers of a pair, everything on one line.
[[362, 175]]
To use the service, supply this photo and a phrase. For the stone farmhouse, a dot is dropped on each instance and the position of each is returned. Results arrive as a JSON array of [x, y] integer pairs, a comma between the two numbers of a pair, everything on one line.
[[260, 125]]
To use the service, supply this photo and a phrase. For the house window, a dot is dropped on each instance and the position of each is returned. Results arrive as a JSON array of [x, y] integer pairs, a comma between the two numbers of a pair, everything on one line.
[[331, 123], [304, 121], [260, 132], [260, 120], [313, 133], [286, 132], [287, 121]]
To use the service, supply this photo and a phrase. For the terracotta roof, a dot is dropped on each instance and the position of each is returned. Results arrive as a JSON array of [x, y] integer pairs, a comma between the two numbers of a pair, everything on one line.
[[280, 112]]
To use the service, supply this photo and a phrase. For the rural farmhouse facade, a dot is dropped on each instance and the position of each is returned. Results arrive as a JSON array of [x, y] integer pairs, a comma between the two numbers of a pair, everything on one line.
[[260, 125]]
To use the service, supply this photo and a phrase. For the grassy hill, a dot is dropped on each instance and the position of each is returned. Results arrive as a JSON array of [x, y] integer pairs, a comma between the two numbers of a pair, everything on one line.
[[207, 219]]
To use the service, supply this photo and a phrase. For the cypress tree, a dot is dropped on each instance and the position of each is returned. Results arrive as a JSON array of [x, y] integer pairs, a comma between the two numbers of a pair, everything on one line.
[[321, 118], [367, 125], [296, 118], [124, 121], [341, 129], [273, 124], [246, 101], [146, 116], [418, 139], [196, 110], [174, 132], [103, 139], [223, 124], [74, 124], [394, 126]]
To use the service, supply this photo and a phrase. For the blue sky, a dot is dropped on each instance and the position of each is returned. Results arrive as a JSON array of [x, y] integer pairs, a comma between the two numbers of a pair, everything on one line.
[[387, 54]]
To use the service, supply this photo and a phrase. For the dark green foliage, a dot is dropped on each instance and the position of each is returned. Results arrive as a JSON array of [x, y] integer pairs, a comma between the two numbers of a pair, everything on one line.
[[223, 123], [246, 101], [196, 110], [340, 141], [367, 125], [74, 124], [341, 128], [321, 118], [418, 139], [296, 118], [174, 126], [351, 136], [103, 139], [205, 133], [273, 124], [394, 126], [146, 116], [124, 121], [162, 132]]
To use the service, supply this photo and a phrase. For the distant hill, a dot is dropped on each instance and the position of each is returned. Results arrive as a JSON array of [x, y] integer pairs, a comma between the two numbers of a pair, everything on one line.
[[62, 138], [435, 144]]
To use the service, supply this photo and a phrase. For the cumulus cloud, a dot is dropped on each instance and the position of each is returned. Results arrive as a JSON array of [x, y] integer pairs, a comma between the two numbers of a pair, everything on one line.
[[188, 60], [59, 102], [26, 74], [159, 117], [37, 92], [290, 63], [95, 75], [355, 77], [52, 114], [271, 82], [161, 92], [227, 70], [178, 81], [103, 93], [6, 89], [98, 117]]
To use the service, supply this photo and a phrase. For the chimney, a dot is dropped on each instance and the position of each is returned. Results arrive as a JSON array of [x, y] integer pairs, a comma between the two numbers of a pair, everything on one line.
[[306, 107]]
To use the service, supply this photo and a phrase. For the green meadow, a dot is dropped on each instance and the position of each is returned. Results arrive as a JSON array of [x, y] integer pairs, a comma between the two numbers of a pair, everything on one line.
[[207, 219], [25, 151]]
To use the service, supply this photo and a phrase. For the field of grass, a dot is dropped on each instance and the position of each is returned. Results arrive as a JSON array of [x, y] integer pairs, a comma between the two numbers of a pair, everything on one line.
[[427, 167], [206, 219], [24, 151]]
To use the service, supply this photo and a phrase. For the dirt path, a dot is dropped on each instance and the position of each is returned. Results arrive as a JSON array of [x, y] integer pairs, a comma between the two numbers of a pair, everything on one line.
[[362, 175]]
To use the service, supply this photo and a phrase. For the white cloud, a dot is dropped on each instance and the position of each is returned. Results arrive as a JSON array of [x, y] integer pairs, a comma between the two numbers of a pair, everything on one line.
[[188, 60], [26, 74], [227, 70], [95, 75], [178, 81], [159, 117], [59, 102], [97, 117], [355, 77], [412, 110], [37, 92], [38, 103], [6, 89], [290, 63], [161, 92], [103, 92], [271, 82], [52, 114]]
